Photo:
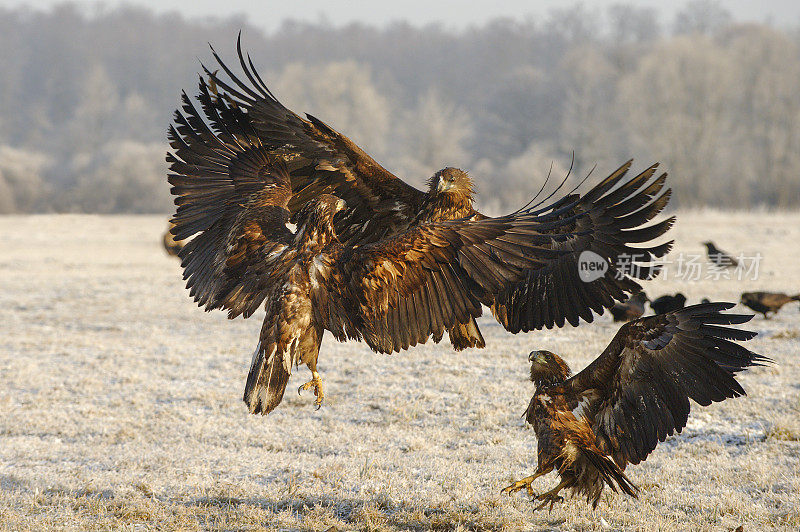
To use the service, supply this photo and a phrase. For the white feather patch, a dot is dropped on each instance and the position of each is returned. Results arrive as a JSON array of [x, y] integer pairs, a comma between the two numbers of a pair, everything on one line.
[[318, 270], [275, 253], [582, 410], [571, 450]]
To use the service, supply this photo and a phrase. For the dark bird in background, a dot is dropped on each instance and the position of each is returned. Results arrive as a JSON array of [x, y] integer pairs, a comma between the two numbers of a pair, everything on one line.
[[590, 426], [765, 302], [171, 246], [393, 268], [719, 257], [667, 303], [631, 309]]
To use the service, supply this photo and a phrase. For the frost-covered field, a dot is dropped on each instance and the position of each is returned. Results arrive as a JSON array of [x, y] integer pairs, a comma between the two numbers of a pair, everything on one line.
[[120, 406]]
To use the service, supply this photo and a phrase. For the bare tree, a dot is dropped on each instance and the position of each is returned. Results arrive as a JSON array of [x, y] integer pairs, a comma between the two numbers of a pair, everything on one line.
[[704, 17], [341, 94], [765, 133], [632, 24], [677, 105], [716, 103], [123, 176], [22, 185], [433, 135], [589, 125]]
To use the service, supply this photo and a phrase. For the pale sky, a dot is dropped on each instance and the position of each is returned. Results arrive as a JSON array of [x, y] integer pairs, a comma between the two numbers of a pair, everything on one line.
[[268, 15]]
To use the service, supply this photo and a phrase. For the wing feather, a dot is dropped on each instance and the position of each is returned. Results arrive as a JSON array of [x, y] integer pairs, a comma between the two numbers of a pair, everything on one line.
[[321, 160], [637, 392], [232, 197], [435, 276], [605, 221]]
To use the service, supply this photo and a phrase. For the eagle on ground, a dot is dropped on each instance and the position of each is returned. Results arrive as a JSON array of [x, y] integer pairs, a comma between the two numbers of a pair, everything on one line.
[[590, 426], [668, 303], [388, 264]]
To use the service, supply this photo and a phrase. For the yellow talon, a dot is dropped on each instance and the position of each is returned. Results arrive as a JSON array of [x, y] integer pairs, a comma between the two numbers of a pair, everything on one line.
[[316, 383], [548, 498], [518, 485]]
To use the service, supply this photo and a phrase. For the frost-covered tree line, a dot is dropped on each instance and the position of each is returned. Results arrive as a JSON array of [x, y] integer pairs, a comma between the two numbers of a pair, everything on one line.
[[86, 97]]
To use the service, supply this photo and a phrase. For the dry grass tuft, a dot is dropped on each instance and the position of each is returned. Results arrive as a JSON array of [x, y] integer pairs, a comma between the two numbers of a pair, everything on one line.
[[784, 432], [788, 334]]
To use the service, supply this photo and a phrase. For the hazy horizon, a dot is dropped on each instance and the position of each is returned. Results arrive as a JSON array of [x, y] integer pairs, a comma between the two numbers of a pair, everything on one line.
[[85, 100], [450, 14]]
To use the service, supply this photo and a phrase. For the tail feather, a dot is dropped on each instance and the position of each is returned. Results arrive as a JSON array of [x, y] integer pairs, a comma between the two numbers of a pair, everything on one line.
[[266, 381], [611, 474], [466, 335]]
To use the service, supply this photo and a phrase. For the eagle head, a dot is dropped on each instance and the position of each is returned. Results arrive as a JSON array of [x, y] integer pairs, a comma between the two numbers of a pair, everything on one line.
[[548, 368], [450, 181]]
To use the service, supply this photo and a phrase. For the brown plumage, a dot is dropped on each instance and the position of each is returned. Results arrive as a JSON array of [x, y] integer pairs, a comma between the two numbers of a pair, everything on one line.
[[399, 266], [380, 206], [765, 302], [322, 160], [631, 309], [719, 257], [590, 426]]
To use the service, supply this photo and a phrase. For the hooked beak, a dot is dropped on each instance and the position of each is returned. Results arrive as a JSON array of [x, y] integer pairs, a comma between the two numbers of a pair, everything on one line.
[[444, 185], [340, 205], [534, 355]]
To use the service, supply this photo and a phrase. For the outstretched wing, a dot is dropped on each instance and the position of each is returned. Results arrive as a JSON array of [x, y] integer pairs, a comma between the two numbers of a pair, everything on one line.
[[430, 278], [637, 392], [320, 159], [413, 286], [604, 221], [233, 195]]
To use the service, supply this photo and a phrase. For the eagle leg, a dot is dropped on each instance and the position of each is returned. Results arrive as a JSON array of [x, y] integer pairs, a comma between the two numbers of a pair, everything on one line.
[[525, 483], [551, 496], [316, 383]]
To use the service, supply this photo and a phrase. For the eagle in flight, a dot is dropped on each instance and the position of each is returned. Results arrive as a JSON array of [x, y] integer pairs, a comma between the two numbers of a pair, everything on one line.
[[635, 394], [373, 258]]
